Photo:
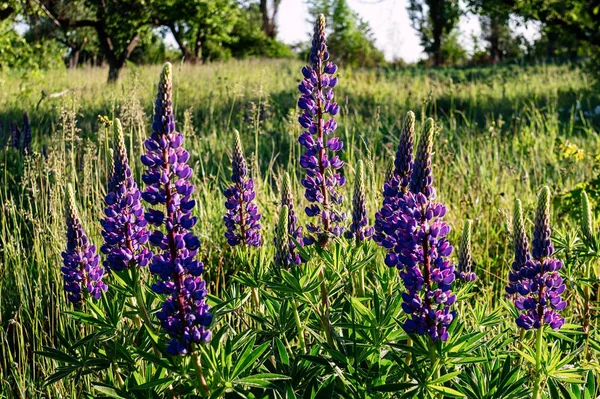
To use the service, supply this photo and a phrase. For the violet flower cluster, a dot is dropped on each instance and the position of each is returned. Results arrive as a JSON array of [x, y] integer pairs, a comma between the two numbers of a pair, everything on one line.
[[415, 236], [322, 178], [398, 183], [534, 281], [124, 227], [290, 255], [81, 269], [359, 228], [20, 139], [184, 315], [242, 219]]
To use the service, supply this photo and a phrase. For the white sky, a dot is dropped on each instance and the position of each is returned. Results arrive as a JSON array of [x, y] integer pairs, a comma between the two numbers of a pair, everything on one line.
[[389, 23]]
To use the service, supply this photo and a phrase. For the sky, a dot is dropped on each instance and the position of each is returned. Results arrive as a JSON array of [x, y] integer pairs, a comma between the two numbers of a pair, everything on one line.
[[389, 23]]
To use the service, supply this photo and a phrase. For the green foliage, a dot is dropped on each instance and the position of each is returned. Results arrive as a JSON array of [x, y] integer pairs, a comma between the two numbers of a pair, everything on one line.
[[349, 38], [434, 20]]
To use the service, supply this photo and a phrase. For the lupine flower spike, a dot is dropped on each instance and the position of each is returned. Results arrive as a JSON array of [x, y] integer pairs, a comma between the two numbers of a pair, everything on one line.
[[184, 315], [322, 177], [26, 147], [465, 261], [397, 183], [242, 219], [282, 241], [81, 270], [537, 286], [416, 236], [521, 248], [294, 232], [15, 136], [124, 227], [359, 228], [587, 221]]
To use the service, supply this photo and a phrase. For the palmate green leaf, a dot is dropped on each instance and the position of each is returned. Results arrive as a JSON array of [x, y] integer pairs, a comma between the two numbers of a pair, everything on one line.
[[590, 386], [248, 357], [263, 380], [59, 355], [111, 391], [282, 352], [162, 382], [89, 319], [394, 387], [445, 378], [453, 393]]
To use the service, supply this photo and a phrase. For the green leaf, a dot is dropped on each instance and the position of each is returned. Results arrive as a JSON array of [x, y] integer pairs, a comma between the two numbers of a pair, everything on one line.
[[111, 391], [453, 393], [283, 356], [248, 358]]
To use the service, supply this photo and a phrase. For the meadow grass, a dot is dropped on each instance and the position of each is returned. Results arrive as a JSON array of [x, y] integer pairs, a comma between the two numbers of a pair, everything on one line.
[[504, 132]]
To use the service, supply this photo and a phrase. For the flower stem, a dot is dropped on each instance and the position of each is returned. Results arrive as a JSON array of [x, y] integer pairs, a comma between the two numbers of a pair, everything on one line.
[[199, 374], [537, 385], [299, 326], [325, 316]]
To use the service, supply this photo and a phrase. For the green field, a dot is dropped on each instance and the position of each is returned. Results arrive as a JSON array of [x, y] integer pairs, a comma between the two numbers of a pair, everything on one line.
[[504, 132]]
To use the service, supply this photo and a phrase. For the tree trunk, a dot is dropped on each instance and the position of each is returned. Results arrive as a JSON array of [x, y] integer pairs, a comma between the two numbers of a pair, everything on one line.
[[188, 56], [268, 20]]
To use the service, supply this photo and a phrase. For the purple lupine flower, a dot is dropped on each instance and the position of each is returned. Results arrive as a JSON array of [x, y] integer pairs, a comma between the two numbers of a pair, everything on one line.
[[184, 315], [242, 219], [124, 227], [294, 232], [26, 147], [322, 176], [416, 237], [81, 269], [397, 184], [283, 256], [15, 136], [537, 286], [521, 248], [359, 228], [465, 261]]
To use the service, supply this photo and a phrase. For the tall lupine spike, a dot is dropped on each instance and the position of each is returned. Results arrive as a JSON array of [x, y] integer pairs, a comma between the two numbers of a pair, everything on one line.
[[282, 240], [403, 163], [420, 250], [15, 136], [184, 314], [359, 228], [465, 261], [294, 231], [26, 147], [322, 177], [542, 244], [124, 227], [538, 286], [81, 269], [521, 248], [242, 219], [397, 184], [587, 221], [421, 179]]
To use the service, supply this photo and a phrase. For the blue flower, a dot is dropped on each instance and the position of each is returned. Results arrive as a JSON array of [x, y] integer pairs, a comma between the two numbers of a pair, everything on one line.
[[185, 314]]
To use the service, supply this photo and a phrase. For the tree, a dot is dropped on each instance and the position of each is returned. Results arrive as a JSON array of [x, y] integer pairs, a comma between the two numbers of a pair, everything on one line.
[[118, 24], [434, 20], [269, 14], [349, 38], [193, 23]]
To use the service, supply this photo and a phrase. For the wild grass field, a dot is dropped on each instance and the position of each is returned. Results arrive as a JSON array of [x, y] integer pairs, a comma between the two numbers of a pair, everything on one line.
[[502, 133]]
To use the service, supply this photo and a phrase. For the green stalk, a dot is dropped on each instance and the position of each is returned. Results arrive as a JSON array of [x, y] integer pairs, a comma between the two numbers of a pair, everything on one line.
[[299, 326], [199, 374], [434, 364], [325, 320], [537, 385]]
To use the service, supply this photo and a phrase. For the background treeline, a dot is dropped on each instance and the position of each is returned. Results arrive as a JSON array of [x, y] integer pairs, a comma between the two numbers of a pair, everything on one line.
[[47, 33]]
